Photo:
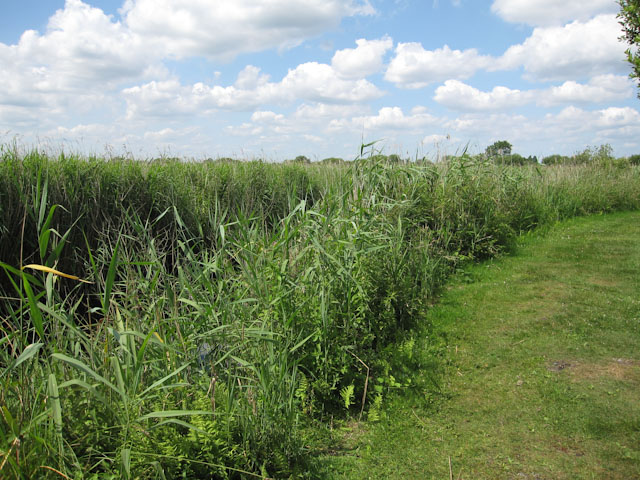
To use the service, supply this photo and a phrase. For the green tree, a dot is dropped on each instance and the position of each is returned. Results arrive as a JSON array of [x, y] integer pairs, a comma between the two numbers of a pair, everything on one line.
[[499, 148], [555, 159], [630, 20], [332, 160]]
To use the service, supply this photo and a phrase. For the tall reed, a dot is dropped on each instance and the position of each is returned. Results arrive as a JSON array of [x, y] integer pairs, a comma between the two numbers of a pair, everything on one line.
[[232, 304]]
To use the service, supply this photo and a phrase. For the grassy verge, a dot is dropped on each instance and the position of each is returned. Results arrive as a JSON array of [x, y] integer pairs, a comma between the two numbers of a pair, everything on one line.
[[229, 311], [542, 369]]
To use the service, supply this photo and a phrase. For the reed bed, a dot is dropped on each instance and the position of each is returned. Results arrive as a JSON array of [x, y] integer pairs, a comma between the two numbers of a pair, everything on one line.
[[226, 308]]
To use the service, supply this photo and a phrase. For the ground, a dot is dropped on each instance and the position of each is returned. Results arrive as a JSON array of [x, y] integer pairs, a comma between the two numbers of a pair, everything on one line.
[[540, 369]]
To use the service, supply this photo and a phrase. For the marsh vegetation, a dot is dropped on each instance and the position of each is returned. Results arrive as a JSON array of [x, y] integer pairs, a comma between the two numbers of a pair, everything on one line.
[[231, 309]]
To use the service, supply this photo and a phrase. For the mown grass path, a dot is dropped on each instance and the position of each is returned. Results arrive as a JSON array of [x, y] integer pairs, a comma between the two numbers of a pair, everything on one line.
[[542, 376]]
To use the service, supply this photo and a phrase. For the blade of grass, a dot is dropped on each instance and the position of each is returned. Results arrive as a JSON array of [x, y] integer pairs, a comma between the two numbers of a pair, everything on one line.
[[36, 314], [46, 269]]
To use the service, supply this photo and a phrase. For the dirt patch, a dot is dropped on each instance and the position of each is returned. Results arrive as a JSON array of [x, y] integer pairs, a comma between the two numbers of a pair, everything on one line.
[[603, 282], [352, 432], [625, 369], [571, 450], [559, 365]]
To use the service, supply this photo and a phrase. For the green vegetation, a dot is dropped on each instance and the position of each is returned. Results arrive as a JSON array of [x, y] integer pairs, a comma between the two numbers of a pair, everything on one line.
[[539, 369], [499, 148], [590, 155], [630, 20], [235, 308]]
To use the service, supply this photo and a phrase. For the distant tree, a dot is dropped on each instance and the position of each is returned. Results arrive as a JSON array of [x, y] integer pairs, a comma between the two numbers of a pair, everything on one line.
[[378, 157], [514, 159], [301, 159], [601, 154], [332, 160], [630, 20], [555, 159], [499, 148], [634, 159]]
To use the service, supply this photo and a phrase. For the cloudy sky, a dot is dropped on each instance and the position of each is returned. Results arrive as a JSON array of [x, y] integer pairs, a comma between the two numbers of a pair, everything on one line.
[[280, 78]]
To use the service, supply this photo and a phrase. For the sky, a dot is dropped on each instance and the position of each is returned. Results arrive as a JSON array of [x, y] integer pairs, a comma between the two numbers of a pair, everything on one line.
[[274, 79]]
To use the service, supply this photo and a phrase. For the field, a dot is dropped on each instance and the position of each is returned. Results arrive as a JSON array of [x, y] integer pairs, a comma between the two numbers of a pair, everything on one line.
[[222, 315], [538, 370]]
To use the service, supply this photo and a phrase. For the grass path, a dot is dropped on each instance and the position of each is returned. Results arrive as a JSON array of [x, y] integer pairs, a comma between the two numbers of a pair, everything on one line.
[[542, 376]]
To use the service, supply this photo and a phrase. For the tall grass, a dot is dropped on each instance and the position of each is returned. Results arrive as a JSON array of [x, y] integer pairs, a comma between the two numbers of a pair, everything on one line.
[[232, 304]]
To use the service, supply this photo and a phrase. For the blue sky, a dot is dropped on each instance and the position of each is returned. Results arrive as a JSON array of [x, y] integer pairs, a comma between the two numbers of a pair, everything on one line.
[[279, 78]]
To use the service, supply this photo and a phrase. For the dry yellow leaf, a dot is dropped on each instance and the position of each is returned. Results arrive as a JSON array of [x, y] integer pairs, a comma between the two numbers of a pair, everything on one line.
[[42, 268]]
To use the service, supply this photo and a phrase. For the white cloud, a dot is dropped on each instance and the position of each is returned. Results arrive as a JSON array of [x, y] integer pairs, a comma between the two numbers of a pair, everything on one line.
[[308, 119], [366, 59], [76, 64], [564, 132], [436, 139], [251, 78], [393, 118], [267, 116], [312, 112], [84, 55], [602, 88], [415, 67], [470, 125], [226, 28], [81, 130], [82, 47], [313, 138], [460, 96], [618, 117], [309, 81], [573, 51], [597, 126], [550, 12], [319, 82]]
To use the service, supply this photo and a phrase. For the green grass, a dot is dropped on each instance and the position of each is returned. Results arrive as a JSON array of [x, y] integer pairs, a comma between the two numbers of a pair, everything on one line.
[[237, 310], [542, 369]]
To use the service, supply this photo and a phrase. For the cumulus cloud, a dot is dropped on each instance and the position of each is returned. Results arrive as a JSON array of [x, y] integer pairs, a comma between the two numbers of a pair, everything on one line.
[[309, 81], [414, 67], [437, 139], [81, 48], [550, 12], [82, 57], [564, 132], [85, 54], [576, 50], [470, 125], [226, 28], [320, 82], [251, 78], [308, 119], [618, 117], [460, 96], [311, 112], [609, 117], [393, 118], [603, 88], [267, 116], [364, 60], [596, 127]]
